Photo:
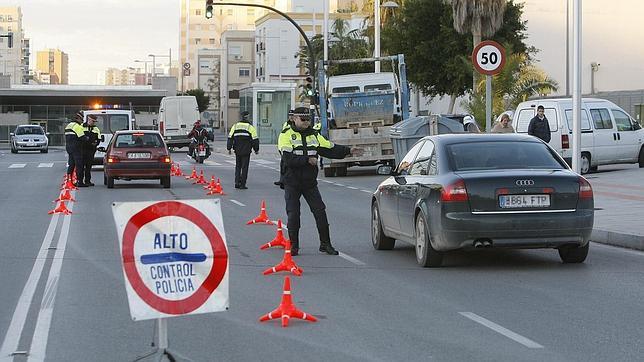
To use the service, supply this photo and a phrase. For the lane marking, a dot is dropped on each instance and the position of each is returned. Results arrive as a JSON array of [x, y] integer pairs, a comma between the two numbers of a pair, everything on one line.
[[351, 259], [43, 322], [231, 162], [46, 164], [499, 329], [237, 202], [263, 162], [211, 163], [337, 184], [352, 188], [12, 338], [367, 191], [17, 165]]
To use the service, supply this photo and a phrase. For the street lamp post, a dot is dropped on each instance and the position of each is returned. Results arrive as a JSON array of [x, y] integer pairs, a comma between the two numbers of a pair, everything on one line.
[[146, 68], [376, 35]]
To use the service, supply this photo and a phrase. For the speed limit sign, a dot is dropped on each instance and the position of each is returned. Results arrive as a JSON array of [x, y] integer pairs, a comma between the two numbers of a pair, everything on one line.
[[488, 57]]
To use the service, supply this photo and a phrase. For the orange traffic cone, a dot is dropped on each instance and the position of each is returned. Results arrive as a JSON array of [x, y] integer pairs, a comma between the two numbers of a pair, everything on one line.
[[262, 218], [69, 184], [211, 185], [193, 175], [287, 309], [177, 170], [60, 209], [279, 240], [200, 180], [218, 188], [287, 264], [65, 195]]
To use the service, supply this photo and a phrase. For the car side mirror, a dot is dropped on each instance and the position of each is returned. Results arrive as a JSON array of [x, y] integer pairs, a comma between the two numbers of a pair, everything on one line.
[[12, 134], [46, 133], [101, 149], [102, 138], [385, 170]]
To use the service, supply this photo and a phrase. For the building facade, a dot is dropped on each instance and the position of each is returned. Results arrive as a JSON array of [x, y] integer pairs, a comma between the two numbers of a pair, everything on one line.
[[208, 72], [237, 71], [13, 61], [127, 76], [55, 63]]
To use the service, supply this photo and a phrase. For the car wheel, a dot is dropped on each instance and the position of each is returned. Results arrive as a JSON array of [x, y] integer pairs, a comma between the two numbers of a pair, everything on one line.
[[46, 150], [378, 238], [200, 159], [110, 182], [584, 167], [329, 171], [641, 159], [165, 181], [426, 256], [341, 171], [13, 149], [104, 179], [573, 253]]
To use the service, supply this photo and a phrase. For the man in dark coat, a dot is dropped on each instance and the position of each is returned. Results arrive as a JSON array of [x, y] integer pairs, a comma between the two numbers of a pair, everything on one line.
[[539, 126]]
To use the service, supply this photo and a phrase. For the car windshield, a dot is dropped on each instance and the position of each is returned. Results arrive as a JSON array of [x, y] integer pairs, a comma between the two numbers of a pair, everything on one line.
[[29, 130], [501, 155], [138, 140]]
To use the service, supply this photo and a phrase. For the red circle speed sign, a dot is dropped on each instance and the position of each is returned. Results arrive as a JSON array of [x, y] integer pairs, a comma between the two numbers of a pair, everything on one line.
[[488, 57], [212, 280]]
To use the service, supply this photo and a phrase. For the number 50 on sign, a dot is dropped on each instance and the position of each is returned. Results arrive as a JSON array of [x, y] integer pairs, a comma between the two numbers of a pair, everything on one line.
[[488, 57]]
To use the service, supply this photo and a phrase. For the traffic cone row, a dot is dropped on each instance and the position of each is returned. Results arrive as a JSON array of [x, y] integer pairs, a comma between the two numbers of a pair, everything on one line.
[[200, 180], [65, 195], [175, 170], [193, 175]]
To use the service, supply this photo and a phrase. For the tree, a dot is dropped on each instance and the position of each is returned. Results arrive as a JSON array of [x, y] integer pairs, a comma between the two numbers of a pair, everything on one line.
[[437, 56], [203, 100], [478, 17]]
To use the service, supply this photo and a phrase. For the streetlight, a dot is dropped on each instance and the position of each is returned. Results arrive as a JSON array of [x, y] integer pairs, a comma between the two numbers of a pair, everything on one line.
[[377, 6], [594, 67], [146, 68]]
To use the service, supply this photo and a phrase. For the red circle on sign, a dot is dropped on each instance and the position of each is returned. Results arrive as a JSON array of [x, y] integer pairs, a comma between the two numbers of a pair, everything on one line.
[[210, 283], [478, 47]]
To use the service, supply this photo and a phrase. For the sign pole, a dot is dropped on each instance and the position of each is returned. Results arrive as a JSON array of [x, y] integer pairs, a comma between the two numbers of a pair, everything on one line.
[[576, 87], [488, 103]]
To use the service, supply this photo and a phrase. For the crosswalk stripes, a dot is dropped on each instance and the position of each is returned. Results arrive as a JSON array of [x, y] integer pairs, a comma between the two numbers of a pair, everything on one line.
[[17, 165], [263, 162], [46, 164]]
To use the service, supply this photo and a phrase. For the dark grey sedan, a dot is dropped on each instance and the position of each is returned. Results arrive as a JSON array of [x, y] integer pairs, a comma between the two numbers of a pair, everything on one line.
[[466, 191]]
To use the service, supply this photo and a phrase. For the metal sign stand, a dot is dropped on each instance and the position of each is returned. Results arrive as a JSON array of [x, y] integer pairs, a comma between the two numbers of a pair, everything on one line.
[[161, 349]]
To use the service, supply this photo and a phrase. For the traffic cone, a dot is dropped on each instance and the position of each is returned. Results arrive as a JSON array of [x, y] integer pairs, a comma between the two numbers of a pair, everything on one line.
[[65, 195], [287, 309], [177, 170], [193, 175], [200, 180], [279, 240], [60, 209], [211, 185], [262, 218], [287, 264], [69, 185], [218, 188]]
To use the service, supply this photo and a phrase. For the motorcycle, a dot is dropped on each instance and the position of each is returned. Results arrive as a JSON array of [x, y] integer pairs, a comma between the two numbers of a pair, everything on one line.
[[200, 151]]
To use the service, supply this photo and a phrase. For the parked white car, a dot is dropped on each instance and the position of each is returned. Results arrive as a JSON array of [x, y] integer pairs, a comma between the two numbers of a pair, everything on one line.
[[29, 137], [608, 134]]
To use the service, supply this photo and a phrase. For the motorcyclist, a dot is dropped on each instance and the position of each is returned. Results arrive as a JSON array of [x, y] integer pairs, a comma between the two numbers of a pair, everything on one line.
[[198, 135]]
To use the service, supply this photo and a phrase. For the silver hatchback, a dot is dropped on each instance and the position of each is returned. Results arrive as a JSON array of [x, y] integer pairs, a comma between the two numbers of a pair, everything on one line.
[[29, 137]]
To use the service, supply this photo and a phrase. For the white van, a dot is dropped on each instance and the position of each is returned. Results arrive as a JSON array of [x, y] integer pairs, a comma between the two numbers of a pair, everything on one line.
[[608, 134], [109, 121], [177, 114]]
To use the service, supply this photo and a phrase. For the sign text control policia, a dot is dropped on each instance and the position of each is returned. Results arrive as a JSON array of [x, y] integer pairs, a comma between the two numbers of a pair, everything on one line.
[[175, 258]]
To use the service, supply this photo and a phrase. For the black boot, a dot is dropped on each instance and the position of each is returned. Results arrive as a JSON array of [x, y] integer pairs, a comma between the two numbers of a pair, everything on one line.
[[325, 238], [295, 248], [326, 247]]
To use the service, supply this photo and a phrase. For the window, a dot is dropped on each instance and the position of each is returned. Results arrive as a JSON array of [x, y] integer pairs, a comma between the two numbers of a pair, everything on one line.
[[138, 140], [622, 121], [502, 155], [433, 165], [376, 87], [355, 89], [405, 164], [234, 52], [229, 12], [585, 122], [211, 41], [233, 94], [421, 164], [244, 72], [198, 12], [250, 12], [525, 115], [601, 118], [197, 41], [119, 122]]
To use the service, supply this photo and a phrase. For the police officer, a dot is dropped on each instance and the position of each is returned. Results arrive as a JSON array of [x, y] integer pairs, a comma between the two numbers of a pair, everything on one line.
[[242, 138], [88, 147], [300, 146], [74, 137]]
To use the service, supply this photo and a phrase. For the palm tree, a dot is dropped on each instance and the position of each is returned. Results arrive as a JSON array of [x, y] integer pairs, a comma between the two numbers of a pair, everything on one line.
[[482, 18]]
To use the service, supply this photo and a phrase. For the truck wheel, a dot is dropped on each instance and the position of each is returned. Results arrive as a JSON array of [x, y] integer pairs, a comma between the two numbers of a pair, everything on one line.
[[341, 171], [329, 171]]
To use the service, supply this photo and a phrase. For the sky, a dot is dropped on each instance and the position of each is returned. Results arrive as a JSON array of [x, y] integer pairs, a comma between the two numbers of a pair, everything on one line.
[[98, 34]]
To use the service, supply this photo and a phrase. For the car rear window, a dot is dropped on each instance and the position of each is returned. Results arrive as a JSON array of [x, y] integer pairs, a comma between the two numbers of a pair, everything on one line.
[[142, 140], [501, 155]]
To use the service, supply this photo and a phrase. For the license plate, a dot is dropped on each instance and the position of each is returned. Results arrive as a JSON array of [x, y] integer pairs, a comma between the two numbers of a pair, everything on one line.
[[202, 153], [520, 201], [31, 144], [138, 155]]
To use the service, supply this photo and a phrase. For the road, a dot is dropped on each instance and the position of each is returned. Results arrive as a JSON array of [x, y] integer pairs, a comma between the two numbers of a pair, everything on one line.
[[62, 276]]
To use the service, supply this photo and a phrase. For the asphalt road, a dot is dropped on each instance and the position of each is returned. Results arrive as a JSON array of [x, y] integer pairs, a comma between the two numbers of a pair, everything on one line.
[[372, 305]]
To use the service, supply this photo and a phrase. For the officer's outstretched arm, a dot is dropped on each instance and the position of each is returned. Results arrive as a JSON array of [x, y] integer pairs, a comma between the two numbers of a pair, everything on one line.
[[330, 150]]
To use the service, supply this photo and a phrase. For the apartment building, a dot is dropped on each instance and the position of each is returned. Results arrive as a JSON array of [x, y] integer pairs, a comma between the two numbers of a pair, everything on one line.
[[55, 63], [237, 71], [13, 61]]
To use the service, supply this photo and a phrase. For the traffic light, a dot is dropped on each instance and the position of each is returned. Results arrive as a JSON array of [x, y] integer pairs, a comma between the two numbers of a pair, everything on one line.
[[10, 40], [208, 9], [308, 86]]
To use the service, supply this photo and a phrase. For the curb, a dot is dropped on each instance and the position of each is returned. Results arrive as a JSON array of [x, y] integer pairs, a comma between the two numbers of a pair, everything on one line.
[[629, 241]]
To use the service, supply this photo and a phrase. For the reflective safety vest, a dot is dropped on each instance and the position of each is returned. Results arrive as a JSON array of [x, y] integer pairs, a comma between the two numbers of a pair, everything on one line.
[[74, 132], [243, 138], [293, 141], [94, 134]]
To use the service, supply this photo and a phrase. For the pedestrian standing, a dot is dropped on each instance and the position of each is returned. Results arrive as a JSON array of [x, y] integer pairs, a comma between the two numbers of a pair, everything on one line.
[[504, 125], [88, 148], [74, 137], [539, 126], [243, 139], [301, 146]]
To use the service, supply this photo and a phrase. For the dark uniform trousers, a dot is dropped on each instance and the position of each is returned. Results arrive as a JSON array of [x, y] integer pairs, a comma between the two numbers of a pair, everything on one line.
[[88, 160], [75, 161], [241, 169], [313, 198]]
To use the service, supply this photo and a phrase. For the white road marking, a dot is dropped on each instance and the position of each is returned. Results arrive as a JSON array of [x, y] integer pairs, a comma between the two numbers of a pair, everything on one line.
[[352, 188], [46, 164], [211, 163], [327, 181], [367, 191], [237, 202], [337, 184], [43, 322], [618, 248], [263, 162], [231, 162], [351, 259], [17, 165], [12, 338], [499, 329]]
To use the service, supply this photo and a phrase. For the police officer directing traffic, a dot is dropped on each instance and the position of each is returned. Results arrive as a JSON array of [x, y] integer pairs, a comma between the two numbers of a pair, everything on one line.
[[242, 138], [301, 146], [74, 137], [88, 148]]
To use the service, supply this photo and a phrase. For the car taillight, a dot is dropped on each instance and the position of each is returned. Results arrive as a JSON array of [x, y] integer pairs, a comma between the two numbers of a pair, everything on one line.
[[565, 143], [585, 190], [455, 192], [166, 159], [112, 159]]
